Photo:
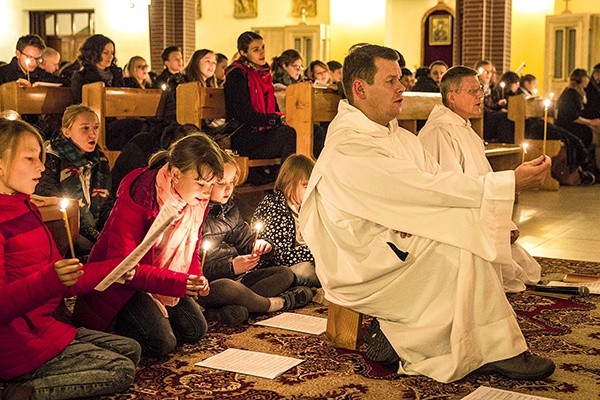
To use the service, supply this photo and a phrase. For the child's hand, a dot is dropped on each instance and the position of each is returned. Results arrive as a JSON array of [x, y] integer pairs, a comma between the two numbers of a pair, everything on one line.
[[68, 271], [197, 285], [245, 263], [261, 247]]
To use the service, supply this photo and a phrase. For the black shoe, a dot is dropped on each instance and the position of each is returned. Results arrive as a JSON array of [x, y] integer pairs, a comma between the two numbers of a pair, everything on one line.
[[296, 297], [379, 347], [231, 315], [525, 366]]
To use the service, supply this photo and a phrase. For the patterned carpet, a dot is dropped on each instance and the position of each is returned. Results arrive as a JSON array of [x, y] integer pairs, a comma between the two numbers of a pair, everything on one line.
[[566, 330]]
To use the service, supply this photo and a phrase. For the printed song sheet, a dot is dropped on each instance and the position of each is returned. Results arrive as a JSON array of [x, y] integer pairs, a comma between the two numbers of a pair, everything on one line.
[[162, 221], [253, 363], [296, 322], [488, 393]]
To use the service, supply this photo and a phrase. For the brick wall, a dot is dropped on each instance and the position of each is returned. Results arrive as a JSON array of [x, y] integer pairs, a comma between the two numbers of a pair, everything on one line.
[[483, 32], [172, 23]]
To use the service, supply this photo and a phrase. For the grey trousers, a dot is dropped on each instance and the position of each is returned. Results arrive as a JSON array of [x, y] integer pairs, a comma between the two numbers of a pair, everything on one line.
[[93, 364]]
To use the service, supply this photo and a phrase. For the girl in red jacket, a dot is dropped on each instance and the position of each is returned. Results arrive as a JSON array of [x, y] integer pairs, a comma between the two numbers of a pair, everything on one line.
[[157, 307], [39, 355]]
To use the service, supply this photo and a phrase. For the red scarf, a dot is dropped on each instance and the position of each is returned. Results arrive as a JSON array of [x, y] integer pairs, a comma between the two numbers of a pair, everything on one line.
[[260, 84]]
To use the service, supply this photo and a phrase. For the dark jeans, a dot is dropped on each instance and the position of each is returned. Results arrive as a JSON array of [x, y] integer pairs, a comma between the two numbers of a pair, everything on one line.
[[93, 364], [142, 320]]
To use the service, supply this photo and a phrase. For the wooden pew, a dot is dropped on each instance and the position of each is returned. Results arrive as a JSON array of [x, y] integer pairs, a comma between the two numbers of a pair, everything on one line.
[[120, 103], [519, 109], [35, 100], [52, 217]]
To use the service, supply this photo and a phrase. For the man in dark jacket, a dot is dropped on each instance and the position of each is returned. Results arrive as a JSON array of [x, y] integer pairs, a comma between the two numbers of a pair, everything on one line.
[[173, 62], [24, 67]]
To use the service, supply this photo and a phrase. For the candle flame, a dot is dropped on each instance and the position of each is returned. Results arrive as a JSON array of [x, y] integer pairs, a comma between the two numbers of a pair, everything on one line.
[[206, 245], [551, 95], [258, 226], [502, 84], [480, 70], [525, 146], [535, 91], [547, 103], [64, 203], [163, 86], [27, 62]]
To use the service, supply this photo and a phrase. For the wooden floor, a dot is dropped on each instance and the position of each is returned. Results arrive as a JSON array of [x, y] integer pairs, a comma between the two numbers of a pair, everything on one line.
[[562, 224]]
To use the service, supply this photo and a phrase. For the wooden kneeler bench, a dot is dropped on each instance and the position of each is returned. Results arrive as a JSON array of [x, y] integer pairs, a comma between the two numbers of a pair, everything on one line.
[[343, 326]]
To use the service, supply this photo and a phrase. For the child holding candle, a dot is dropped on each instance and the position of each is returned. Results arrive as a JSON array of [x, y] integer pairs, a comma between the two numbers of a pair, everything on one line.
[[76, 168], [41, 356], [237, 286], [279, 214], [157, 307]]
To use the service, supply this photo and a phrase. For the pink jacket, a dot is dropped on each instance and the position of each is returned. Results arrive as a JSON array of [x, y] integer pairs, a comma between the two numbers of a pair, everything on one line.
[[129, 221], [30, 289]]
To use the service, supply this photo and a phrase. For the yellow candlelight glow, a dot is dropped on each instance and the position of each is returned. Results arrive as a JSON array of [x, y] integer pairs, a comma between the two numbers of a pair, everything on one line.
[[546, 105], [64, 203], [502, 85], [524, 145], [27, 68], [205, 248], [257, 227]]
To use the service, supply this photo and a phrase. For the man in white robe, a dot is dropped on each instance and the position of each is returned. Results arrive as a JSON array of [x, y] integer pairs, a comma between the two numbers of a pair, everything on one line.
[[450, 139], [436, 293]]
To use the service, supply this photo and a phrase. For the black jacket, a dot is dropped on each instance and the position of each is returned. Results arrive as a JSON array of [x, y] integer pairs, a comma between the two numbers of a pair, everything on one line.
[[11, 72], [90, 74], [229, 236]]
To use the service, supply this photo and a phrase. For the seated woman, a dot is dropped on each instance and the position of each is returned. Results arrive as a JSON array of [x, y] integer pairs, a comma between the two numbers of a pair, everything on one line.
[[97, 55], [137, 74], [278, 212], [43, 357], [287, 68], [319, 73], [157, 307], [237, 287], [76, 168], [251, 106]]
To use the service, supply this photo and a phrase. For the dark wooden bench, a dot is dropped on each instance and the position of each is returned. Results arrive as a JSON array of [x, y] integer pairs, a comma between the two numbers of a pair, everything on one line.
[[120, 103], [53, 218], [34, 100]]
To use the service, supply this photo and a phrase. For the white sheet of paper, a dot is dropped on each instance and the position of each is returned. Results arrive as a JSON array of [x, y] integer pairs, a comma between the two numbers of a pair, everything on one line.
[[488, 393], [593, 286], [296, 322], [47, 84], [253, 363], [165, 216]]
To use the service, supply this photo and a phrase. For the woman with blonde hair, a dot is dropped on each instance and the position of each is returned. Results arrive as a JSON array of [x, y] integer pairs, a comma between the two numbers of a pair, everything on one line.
[[137, 73]]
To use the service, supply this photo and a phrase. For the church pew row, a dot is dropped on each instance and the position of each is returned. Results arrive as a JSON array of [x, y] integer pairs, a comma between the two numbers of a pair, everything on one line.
[[35, 100], [53, 218], [120, 103], [521, 108]]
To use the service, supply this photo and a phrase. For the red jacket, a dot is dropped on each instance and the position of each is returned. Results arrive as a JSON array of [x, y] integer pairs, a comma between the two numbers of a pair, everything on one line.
[[127, 225], [30, 289]]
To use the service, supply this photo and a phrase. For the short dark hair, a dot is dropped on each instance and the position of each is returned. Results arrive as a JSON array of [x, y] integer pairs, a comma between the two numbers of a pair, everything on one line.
[[577, 75], [437, 62], [333, 65], [452, 80], [527, 78], [596, 68], [221, 57], [167, 52], [244, 40], [406, 72], [510, 77], [30, 40], [360, 64]]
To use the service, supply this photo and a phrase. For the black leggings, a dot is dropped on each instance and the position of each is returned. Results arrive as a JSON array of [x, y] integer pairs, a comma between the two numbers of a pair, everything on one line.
[[252, 290]]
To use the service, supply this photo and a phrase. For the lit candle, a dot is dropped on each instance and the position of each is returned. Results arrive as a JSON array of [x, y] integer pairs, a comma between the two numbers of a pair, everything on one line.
[[524, 152], [27, 69], [551, 95], [546, 105], [163, 86], [63, 209], [502, 84], [480, 70], [257, 227], [205, 247], [535, 91]]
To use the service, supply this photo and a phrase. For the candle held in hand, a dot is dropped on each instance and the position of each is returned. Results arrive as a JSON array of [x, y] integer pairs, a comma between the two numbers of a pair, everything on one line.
[[546, 105], [27, 61], [205, 248], [502, 85], [257, 227], [64, 203], [525, 145]]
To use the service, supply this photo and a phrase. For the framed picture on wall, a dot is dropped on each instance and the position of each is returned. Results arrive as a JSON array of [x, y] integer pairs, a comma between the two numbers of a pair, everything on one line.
[[308, 8], [440, 30], [244, 8]]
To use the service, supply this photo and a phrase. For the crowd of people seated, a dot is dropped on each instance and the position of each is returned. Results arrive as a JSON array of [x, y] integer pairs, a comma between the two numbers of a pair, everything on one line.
[[168, 168]]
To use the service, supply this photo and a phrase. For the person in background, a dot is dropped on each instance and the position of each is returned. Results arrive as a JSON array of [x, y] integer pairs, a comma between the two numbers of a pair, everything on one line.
[[287, 68], [431, 82], [50, 60], [408, 79], [251, 105], [222, 63], [278, 213], [25, 66], [97, 55], [172, 58], [237, 286], [76, 168], [336, 71], [528, 85], [449, 138], [319, 73], [157, 307], [591, 109], [137, 76], [42, 357]]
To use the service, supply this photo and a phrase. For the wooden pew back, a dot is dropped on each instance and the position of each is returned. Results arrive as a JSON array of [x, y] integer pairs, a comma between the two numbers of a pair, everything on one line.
[[35, 100], [52, 217], [120, 103]]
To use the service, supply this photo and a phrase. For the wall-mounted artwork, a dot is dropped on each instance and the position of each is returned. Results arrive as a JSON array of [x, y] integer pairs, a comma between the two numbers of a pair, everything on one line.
[[245, 9], [309, 6], [440, 30]]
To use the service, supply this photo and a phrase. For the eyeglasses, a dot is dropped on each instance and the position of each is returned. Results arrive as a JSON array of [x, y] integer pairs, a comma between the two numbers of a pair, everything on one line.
[[472, 92], [38, 60], [142, 66], [297, 67]]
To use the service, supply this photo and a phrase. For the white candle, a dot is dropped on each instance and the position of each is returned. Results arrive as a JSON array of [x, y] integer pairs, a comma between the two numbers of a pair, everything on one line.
[[205, 248], [546, 105], [63, 209], [524, 152], [27, 69], [257, 227], [502, 84]]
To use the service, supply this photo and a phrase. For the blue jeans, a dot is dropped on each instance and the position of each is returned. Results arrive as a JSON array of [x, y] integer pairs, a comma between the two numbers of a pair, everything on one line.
[[305, 274], [142, 320], [93, 364]]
